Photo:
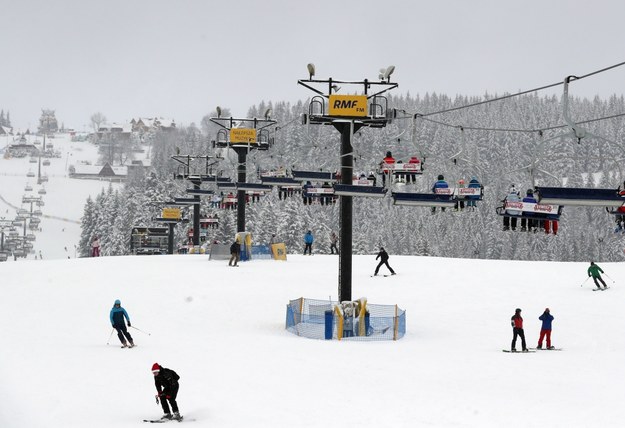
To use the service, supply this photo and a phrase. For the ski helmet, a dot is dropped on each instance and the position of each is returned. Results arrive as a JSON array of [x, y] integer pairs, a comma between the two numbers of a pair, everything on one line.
[[517, 310], [441, 177], [118, 302]]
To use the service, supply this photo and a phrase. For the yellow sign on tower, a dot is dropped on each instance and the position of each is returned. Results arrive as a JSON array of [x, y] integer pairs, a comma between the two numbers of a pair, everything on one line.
[[243, 135], [348, 105], [171, 213]]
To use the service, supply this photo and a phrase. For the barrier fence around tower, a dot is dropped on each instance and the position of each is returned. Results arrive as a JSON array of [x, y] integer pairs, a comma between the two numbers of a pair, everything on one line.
[[358, 320]]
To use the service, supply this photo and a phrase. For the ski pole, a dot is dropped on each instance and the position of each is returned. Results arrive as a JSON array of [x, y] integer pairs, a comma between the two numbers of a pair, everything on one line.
[[609, 278], [585, 281], [110, 335], [144, 332]]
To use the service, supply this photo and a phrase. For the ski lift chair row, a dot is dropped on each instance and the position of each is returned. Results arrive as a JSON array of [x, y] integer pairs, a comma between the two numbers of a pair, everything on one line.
[[329, 177], [530, 210], [580, 196], [444, 197]]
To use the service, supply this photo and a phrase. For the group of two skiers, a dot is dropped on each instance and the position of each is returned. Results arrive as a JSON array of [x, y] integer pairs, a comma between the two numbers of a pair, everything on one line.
[[165, 380], [517, 330], [516, 321]]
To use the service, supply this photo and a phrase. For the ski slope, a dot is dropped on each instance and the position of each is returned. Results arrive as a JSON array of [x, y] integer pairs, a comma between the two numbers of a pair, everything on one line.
[[222, 330], [65, 197]]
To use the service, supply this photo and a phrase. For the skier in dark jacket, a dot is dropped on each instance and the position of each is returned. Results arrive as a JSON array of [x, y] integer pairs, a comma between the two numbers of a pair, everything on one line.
[[517, 330], [383, 256], [333, 241], [235, 250], [117, 316], [166, 382], [595, 270], [545, 329]]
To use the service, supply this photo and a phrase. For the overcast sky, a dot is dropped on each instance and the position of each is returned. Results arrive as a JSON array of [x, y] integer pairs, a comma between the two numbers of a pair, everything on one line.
[[181, 58]]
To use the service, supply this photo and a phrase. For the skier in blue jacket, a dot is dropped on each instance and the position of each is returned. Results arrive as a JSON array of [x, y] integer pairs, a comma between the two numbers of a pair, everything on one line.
[[440, 184], [117, 316], [545, 330], [308, 241]]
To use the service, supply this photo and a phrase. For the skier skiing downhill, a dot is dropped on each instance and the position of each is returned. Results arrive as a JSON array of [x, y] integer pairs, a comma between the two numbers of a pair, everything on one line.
[[116, 317], [383, 256], [166, 382], [517, 330], [595, 271]]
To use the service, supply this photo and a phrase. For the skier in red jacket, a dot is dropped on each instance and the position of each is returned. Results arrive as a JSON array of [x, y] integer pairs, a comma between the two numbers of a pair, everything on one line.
[[517, 330]]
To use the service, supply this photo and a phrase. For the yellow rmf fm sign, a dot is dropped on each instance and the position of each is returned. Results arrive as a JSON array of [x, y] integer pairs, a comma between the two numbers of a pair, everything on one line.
[[348, 105], [171, 213], [243, 135]]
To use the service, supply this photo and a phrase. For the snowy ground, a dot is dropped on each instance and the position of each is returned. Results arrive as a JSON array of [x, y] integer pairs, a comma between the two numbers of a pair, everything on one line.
[[64, 199], [222, 330]]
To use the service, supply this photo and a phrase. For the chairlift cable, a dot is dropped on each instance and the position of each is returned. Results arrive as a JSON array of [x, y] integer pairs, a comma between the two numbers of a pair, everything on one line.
[[523, 92], [528, 131]]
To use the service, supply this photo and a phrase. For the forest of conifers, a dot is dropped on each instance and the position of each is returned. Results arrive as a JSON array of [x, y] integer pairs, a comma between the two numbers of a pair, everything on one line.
[[491, 141]]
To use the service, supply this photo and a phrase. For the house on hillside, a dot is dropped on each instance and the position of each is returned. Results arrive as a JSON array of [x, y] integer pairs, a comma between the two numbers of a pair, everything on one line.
[[5, 130], [144, 124], [98, 172], [113, 133], [138, 167]]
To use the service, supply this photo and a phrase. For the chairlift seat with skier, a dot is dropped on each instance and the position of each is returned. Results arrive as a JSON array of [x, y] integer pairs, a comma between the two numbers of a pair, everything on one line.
[[530, 210]]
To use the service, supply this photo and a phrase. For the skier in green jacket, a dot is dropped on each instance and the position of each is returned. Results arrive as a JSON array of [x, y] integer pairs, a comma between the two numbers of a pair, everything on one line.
[[595, 270]]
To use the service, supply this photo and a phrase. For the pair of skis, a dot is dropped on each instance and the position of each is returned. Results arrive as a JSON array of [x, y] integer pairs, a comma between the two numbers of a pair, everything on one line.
[[530, 350], [160, 421]]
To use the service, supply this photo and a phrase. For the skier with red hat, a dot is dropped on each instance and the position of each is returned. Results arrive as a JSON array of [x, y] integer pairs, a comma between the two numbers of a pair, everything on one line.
[[166, 381]]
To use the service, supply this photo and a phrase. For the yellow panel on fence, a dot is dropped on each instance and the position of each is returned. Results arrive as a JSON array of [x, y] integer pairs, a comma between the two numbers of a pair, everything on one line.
[[278, 251], [362, 327], [339, 323]]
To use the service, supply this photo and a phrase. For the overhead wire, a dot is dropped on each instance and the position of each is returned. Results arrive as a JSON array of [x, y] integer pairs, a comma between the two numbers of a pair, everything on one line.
[[425, 116]]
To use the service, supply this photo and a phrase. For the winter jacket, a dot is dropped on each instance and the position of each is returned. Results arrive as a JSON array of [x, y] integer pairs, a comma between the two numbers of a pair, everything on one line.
[[308, 238], [529, 198], [235, 248], [117, 316], [546, 318], [474, 184], [594, 271], [513, 197], [166, 381], [383, 256], [389, 160], [440, 184], [516, 321]]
